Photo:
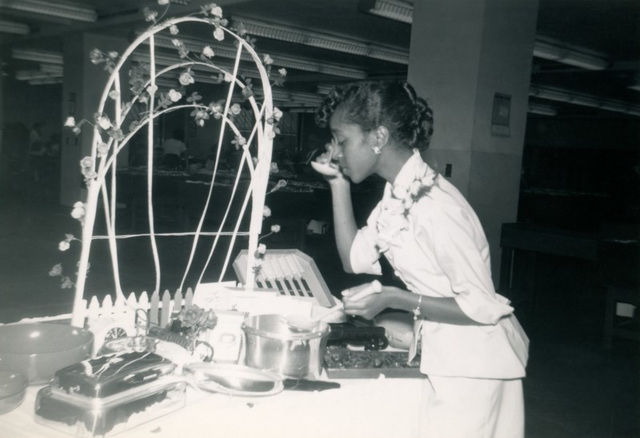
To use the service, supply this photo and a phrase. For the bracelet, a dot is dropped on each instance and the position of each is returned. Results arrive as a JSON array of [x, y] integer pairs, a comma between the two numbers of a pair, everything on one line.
[[416, 311]]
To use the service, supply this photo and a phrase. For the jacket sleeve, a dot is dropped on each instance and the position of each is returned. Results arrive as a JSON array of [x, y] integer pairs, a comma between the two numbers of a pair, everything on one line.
[[462, 252], [364, 253]]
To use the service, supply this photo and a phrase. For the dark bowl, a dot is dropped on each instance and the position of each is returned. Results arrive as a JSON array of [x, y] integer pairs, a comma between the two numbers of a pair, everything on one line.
[[38, 350]]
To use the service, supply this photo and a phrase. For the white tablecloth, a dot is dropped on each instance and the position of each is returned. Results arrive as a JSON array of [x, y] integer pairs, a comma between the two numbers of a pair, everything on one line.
[[367, 408]]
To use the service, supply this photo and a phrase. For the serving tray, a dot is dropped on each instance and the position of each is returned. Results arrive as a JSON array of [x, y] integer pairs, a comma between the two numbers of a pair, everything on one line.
[[346, 363]]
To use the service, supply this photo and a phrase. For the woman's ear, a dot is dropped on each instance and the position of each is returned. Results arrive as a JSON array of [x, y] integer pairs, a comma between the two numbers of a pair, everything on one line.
[[382, 136], [380, 139]]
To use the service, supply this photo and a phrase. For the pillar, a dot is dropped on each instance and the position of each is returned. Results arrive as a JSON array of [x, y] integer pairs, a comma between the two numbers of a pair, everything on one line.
[[83, 85], [471, 60]]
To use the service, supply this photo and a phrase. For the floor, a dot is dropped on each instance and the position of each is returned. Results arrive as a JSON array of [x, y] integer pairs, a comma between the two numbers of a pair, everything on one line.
[[575, 388]]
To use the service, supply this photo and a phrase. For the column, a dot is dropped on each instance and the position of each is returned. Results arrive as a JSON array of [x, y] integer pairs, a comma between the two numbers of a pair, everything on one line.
[[83, 85], [471, 60]]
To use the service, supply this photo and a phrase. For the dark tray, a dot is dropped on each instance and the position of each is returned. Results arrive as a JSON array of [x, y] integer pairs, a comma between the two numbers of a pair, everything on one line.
[[343, 363]]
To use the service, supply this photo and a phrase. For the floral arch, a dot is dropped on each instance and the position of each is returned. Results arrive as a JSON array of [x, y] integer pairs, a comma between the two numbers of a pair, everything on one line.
[[117, 121]]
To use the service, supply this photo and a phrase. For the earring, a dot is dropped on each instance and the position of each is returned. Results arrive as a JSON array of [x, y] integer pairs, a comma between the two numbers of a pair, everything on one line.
[[377, 150]]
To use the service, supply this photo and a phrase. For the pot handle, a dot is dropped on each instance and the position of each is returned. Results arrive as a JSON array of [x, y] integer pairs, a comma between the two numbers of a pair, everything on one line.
[[243, 348]]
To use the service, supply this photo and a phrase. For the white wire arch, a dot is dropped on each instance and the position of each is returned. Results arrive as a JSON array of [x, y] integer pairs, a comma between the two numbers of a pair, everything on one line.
[[103, 163]]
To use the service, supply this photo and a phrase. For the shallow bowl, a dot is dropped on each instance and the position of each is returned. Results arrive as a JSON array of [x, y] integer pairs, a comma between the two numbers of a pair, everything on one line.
[[12, 390], [38, 350]]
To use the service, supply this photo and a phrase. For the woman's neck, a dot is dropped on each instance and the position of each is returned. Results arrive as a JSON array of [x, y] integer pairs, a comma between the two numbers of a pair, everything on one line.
[[391, 161]]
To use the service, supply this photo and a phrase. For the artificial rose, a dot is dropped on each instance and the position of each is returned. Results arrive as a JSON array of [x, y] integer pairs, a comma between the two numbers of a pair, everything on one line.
[[208, 52], [175, 95]]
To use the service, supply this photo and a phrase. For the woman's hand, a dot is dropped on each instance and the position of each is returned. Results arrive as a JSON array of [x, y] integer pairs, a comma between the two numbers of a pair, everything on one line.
[[326, 163], [370, 304]]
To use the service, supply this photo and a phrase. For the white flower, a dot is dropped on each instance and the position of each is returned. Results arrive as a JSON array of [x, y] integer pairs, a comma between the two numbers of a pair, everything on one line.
[[216, 10], [275, 228], [174, 30], [175, 95], [150, 15], [429, 179], [400, 192], [151, 89], [414, 189], [86, 162], [208, 52], [63, 245], [113, 94], [186, 78], [407, 202], [103, 121], [262, 248], [78, 210], [228, 77], [102, 148], [271, 134], [282, 71], [239, 141], [218, 34], [266, 212], [235, 109], [277, 114], [267, 60], [176, 42], [70, 122], [56, 270]]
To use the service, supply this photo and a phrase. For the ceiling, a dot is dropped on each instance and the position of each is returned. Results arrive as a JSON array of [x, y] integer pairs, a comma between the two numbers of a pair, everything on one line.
[[610, 29]]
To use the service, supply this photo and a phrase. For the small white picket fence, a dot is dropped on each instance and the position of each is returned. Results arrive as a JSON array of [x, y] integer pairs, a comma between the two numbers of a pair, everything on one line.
[[159, 308]]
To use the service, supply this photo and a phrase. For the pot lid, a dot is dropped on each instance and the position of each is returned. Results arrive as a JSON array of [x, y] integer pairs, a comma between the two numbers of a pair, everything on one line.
[[11, 383]]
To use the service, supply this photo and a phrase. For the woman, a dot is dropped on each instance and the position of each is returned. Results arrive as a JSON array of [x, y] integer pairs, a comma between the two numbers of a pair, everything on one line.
[[473, 350]]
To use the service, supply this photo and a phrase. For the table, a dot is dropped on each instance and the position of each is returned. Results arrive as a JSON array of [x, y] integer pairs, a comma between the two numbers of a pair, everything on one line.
[[367, 408]]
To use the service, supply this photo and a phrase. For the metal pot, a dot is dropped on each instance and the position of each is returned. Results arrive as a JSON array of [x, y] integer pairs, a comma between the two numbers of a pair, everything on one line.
[[271, 344]]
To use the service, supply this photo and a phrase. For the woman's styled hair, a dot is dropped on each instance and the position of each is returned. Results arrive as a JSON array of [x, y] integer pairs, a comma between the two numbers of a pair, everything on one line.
[[394, 105]]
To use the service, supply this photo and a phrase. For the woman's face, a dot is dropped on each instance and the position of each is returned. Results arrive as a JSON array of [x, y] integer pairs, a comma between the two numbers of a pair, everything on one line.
[[354, 153]]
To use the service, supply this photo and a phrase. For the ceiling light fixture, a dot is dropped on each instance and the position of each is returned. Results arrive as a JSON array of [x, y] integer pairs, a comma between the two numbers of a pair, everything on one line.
[[544, 110], [636, 85], [37, 56], [324, 41], [392, 9], [28, 75], [547, 48], [15, 28], [561, 95], [279, 60], [46, 7], [325, 89], [45, 81]]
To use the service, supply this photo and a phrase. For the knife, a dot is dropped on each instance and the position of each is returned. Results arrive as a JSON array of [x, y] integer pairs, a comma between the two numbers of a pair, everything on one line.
[[309, 385]]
